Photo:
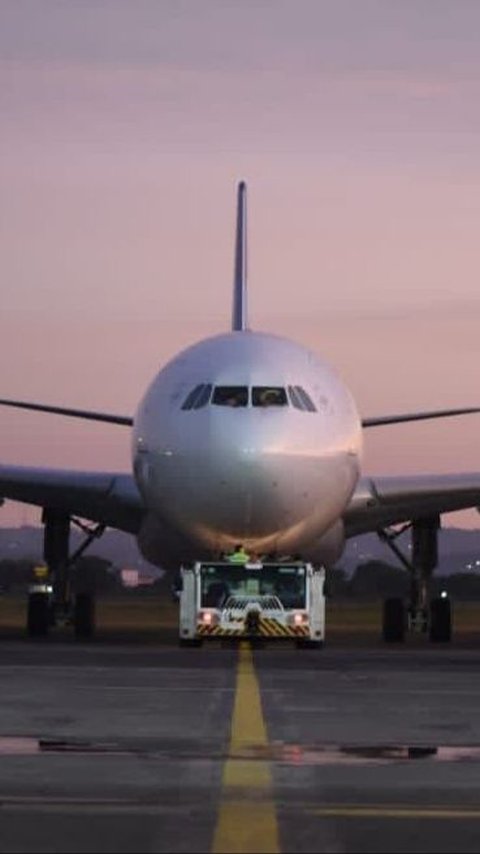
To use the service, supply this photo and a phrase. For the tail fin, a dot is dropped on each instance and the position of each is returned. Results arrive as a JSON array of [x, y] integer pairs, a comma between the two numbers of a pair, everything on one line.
[[239, 307]]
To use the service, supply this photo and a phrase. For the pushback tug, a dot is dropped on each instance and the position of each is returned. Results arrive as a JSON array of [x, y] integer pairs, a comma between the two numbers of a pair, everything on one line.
[[255, 600]]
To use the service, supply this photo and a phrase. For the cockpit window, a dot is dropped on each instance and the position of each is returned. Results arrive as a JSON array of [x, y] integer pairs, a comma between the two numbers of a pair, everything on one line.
[[203, 397], [307, 400], [295, 400], [265, 395], [238, 395], [198, 397], [191, 397], [230, 395], [300, 399]]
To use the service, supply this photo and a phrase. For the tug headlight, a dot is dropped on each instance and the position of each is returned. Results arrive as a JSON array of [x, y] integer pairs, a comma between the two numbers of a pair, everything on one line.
[[299, 619], [208, 618]]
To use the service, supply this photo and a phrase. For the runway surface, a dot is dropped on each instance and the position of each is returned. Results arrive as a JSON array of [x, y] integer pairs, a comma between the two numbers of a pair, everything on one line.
[[116, 747]]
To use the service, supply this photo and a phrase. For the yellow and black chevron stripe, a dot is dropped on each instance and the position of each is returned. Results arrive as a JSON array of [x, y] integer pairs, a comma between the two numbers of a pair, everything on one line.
[[267, 627], [272, 628], [218, 631]]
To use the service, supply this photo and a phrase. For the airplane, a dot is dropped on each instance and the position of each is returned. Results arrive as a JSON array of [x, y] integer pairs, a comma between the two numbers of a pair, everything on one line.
[[245, 437]]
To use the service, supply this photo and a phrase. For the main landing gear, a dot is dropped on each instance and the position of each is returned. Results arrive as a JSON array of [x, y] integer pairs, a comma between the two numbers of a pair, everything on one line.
[[51, 601], [432, 616]]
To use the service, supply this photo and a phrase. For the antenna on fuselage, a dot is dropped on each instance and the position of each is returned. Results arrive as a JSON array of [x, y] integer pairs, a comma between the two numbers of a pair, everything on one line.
[[239, 307]]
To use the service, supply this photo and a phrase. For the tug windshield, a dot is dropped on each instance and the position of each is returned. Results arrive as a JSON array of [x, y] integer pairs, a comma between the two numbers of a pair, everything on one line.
[[221, 580]]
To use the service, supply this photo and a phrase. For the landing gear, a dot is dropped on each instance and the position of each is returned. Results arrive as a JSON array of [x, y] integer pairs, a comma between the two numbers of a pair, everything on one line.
[[417, 614], [84, 615], [190, 642], [394, 624], [56, 540], [440, 620], [38, 614], [51, 602]]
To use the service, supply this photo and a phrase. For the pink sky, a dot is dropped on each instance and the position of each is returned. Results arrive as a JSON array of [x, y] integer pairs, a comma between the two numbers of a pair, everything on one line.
[[125, 127]]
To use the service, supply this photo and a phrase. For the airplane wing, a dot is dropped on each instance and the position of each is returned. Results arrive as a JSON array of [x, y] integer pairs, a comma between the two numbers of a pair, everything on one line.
[[382, 420], [109, 498], [381, 501], [86, 414]]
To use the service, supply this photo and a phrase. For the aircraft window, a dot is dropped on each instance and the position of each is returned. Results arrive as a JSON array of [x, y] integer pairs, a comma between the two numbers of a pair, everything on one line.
[[296, 402], [230, 395], [197, 397], [265, 395], [203, 397], [300, 399], [307, 401]]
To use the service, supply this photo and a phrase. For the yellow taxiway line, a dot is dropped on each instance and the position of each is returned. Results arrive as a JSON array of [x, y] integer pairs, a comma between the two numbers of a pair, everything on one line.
[[247, 820]]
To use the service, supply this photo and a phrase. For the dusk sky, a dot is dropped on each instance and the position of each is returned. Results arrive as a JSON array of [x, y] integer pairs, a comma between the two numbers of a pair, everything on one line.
[[125, 127]]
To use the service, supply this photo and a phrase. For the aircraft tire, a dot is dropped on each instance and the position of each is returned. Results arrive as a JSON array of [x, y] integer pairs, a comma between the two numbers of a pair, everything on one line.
[[84, 615], [190, 642], [38, 615], [440, 620], [394, 622]]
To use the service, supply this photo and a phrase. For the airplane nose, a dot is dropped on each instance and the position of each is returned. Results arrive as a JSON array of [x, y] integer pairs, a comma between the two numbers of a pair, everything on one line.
[[227, 480], [255, 481], [268, 480]]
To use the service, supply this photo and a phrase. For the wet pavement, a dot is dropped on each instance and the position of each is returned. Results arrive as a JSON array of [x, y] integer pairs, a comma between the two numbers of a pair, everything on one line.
[[122, 747]]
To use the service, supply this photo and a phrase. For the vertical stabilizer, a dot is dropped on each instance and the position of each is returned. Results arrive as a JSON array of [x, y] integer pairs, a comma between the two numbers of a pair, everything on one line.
[[239, 307]]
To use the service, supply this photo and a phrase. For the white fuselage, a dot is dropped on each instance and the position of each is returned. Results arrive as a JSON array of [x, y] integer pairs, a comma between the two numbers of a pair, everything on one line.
[[276, 478]]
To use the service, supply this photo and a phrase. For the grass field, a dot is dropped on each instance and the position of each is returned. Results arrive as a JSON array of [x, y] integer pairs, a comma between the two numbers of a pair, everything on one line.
[[152, 617]]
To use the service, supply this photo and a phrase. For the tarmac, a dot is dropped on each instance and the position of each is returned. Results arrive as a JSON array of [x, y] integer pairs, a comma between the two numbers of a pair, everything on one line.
[[121, 745]]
